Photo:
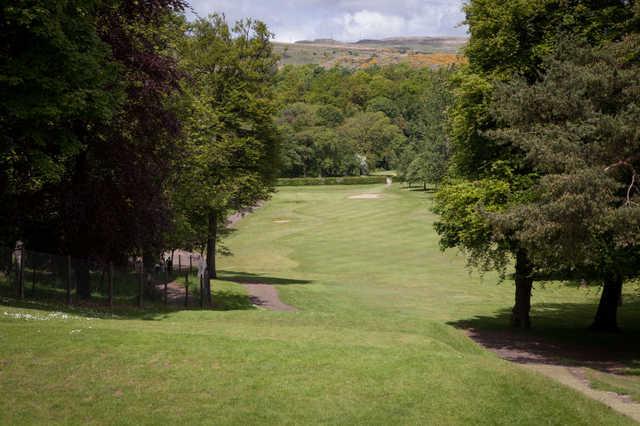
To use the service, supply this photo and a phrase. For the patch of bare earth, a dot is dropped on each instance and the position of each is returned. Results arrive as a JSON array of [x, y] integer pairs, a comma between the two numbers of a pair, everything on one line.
[[176, 295], [563, 363], [266, 296]]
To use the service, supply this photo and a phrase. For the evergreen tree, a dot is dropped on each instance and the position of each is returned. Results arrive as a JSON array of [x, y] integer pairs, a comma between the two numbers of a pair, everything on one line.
[[579, 127]]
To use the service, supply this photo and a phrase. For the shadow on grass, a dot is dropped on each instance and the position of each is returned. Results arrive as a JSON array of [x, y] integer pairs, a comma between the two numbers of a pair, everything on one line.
[[125, 308], [560, 336], [429, 190], [248, 278]]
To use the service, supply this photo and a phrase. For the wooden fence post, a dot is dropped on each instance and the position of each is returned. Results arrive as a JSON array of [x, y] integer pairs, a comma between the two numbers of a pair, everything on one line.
[[68, 280], [202, 292], [140, 286], [186, 289], [21, 274], [110, 284], [33, 280], [166, 296]]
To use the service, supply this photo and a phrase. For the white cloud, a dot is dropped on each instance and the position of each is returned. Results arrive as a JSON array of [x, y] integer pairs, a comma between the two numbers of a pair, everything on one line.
[[366, 23], [346, 20]]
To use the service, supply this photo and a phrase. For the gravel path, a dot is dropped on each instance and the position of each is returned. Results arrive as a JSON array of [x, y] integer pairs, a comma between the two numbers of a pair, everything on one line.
[[266, 296], [564, 364]]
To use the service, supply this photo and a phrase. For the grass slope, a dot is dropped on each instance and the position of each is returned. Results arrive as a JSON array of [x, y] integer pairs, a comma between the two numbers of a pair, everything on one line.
[[371, 343], [366, 55]]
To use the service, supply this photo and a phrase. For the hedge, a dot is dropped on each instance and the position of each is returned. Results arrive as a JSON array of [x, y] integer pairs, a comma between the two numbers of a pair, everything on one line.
[[348, 180]]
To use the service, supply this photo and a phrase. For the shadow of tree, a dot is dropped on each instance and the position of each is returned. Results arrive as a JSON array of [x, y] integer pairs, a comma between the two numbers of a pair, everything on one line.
[[126, 309], [560, 336], [248, 278]]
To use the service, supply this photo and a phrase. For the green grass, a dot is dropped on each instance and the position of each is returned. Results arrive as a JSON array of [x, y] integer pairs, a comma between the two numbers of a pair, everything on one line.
[[623, 384], [375, 340]]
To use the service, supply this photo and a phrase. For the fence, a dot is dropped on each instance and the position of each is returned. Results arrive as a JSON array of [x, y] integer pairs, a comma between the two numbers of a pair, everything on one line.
[[63, 279]]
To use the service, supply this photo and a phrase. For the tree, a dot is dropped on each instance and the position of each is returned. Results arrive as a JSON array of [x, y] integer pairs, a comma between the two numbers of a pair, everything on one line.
[[87, 89], [507, 38], [57, 79], [425, 158], [231, 141], [578, 127], [374, 136]]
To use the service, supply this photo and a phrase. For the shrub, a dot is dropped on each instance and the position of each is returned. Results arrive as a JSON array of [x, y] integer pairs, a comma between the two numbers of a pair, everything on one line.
[[348, 180]]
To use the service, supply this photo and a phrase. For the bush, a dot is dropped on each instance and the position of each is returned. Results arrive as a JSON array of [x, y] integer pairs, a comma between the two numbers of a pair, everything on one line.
[[349, 180]]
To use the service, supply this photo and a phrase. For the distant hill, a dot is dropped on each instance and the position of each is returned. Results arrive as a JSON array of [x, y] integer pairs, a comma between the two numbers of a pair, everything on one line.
[[450, 44], [416, 51], [319, 41]]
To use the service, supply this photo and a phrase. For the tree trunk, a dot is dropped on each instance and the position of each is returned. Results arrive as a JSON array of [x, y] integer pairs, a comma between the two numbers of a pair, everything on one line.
[[211, 254], [524, 283], [607, 315], [148, 260]]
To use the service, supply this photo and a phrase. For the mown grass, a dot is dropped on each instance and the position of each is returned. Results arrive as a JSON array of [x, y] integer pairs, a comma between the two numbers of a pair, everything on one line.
[[374, 340], [623, 384]]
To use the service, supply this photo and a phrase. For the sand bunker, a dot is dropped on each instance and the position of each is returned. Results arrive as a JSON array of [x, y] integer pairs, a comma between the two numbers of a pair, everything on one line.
[[365, 197]]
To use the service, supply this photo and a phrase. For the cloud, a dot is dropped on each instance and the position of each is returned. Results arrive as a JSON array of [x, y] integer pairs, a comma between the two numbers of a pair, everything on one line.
[[364, 23], [346, 20]]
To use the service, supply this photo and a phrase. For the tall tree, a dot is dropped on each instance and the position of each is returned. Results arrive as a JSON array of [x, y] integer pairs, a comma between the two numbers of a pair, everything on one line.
[[231, 146], [57, 80], [375, 137], [508, 38], [92, 132], [579, 128], [425, 158]]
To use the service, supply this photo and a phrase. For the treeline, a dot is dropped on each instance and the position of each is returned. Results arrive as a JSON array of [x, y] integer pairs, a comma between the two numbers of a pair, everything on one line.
[[127, 131], [340, 122], [545, 147]]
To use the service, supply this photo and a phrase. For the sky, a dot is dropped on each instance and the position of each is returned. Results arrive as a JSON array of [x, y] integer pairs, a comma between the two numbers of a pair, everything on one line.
[[344, 20]]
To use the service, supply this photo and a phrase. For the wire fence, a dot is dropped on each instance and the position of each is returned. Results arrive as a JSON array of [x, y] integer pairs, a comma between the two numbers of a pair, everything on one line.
[[28, 274]]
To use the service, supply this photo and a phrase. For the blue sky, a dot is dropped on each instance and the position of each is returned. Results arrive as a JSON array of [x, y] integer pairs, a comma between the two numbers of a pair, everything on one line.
[[345, 20]]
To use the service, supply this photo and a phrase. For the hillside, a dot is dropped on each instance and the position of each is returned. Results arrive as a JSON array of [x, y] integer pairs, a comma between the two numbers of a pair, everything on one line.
[[416, 51]]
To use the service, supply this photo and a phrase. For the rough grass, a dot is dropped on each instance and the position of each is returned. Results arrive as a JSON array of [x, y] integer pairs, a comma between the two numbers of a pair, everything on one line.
[[371, 343], [623, 384]]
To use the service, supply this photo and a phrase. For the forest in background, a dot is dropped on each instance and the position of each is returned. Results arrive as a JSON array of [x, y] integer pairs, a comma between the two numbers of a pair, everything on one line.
[[340, 122]]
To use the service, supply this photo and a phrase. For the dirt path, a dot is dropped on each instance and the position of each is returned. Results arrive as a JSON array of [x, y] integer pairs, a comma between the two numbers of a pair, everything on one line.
[[263, 295], [576, 379], [176, 295], [564, 364], [236, 217], [266, 296]]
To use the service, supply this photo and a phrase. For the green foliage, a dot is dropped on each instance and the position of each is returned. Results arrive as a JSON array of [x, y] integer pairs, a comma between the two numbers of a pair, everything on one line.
[[510, 39], [578, 127], [383, 117], [513, 37], [230, 149], [86, 133], [374, 137], [425, 158], [57, 84], [467, 210]]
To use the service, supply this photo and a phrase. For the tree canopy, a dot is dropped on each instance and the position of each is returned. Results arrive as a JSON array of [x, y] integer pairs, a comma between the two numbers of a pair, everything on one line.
[[492, 175]]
